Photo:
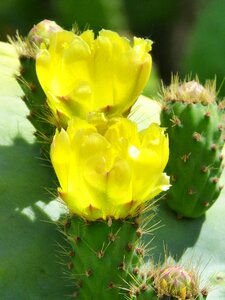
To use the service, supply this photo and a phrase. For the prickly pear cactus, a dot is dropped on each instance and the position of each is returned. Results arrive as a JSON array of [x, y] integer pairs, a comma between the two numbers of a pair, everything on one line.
[[194, 122], [30, 212]]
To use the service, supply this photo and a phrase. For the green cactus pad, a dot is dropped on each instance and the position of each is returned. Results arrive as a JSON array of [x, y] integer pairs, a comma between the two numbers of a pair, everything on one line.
[[195, 165], [102, 255]]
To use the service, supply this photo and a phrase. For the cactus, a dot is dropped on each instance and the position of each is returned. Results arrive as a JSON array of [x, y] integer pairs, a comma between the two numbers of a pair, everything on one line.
[[194, 121], [103, 164], [103, 198]]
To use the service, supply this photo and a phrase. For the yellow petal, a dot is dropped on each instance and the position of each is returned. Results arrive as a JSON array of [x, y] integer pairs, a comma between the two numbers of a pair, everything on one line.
[[119, 186], [155, 139], [88, 37], [122, 134], [60, 156]]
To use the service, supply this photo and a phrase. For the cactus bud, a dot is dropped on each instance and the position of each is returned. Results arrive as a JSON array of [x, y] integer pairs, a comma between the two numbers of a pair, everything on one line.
[[175, 281], [41, 32], [194, 91], [190, 91]]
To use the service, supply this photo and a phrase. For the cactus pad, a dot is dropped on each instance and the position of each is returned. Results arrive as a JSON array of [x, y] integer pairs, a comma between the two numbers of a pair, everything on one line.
[[102, 254], [195, 130]]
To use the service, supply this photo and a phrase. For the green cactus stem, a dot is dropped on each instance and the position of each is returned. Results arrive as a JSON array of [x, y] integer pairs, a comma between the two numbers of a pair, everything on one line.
[[195, 125], [102, 255], [35, 99]]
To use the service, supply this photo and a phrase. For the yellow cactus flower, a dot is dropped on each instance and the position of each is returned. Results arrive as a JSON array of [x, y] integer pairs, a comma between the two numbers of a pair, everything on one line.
[[82, 74], [112, 172]]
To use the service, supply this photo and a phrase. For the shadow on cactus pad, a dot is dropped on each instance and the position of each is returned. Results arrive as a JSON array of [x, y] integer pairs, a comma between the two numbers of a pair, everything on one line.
[[175, 235], [28, 265]]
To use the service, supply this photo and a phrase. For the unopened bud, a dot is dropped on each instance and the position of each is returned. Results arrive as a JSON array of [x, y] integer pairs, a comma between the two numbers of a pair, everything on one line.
[[174, 281], [42, 32], [192, 88], [195, 92], [190, 91]]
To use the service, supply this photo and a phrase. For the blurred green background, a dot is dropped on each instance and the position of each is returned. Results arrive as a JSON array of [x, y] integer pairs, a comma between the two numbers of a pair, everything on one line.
[[189, 36]]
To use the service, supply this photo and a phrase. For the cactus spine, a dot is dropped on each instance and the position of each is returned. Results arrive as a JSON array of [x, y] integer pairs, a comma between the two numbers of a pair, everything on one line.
[[194, 121]]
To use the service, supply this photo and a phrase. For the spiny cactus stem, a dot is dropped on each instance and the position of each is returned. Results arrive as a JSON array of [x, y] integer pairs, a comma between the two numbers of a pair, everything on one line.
[[196, 139], [109, 247]]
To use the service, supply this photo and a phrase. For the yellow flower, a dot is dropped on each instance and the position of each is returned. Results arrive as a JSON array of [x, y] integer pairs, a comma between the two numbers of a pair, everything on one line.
[[82, 74], [112, 172]]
